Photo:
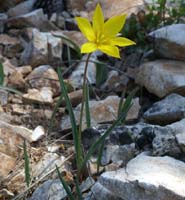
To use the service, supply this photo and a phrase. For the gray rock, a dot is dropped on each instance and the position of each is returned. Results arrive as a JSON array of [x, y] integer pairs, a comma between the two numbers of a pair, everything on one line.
[[179, 133], [168, 110], [3, 18], [160, 140], [3, 97], [35, 19], [119, 154], [170, 41], [38, 78], [162, 77], [87, 184], [76, 77], [49, 190], [99, 192], [22, 8], [42, 48], [147, 178], [102, 111], [165, 142]]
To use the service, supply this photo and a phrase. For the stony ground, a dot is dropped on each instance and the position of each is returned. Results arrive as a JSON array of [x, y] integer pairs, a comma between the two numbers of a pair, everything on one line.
[[143, 159]]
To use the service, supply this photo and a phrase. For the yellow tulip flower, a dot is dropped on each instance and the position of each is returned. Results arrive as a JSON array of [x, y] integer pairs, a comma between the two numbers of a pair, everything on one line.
[[103, 35]]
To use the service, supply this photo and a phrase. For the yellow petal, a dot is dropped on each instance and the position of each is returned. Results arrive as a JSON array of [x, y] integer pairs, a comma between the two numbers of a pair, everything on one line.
[[109, 50], [98, 19], [121, 41], [88, 47], [86, 28], [114, 25]]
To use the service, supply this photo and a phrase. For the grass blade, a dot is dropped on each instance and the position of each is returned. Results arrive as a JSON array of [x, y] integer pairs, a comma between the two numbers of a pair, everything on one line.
[[77, 142], [101, 73], [1, 74], [11, 90], [100, 155], [87, 111], [26, 165], [121, 103], [65, 185], [55, 111], [78, 191]]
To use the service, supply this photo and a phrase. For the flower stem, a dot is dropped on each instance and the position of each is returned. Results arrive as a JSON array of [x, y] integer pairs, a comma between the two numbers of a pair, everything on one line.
[[83, 95]]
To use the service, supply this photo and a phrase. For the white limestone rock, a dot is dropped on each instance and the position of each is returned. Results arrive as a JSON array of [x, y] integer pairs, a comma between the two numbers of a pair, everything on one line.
[[170, 41], [162, 77], [147, 178]]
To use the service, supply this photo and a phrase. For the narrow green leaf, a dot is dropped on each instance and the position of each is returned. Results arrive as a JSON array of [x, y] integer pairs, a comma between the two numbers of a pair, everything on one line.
[[87, 110], [77, 143], [101, 73], [55, 111], [65, 185], [100, 155], [121, 103], [1, 74], [78, 191], [11, 90], [26, 164]]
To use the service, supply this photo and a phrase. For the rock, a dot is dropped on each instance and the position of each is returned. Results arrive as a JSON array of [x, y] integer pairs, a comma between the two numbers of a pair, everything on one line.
[[102, 111], [50, 190], [12, 137], [166, 111], [44, 76], [6, 194], [1, 109], [75, 4], [5, 5], [100, 192], [16, 80], [119, 154], [44, 96], [87, 184], [159, 140], [162, 77], [42, 49], [3, 97], [21, 9], [54, 49], [38, 133], [8, 67], [47, 163], [115, 82], [24, 70], [76, 78], [3, 18], [179, 132], [164, 142], [120, 7], [10, 164], [35, 19], [75, 36], [17, 181], [11, 45], [75, 98], [141, 179], [169, 41], [50, 7], [19, 109]]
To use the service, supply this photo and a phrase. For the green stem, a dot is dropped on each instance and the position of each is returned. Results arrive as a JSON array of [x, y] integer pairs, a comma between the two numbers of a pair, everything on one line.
[[81, 114], [83, 95]]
